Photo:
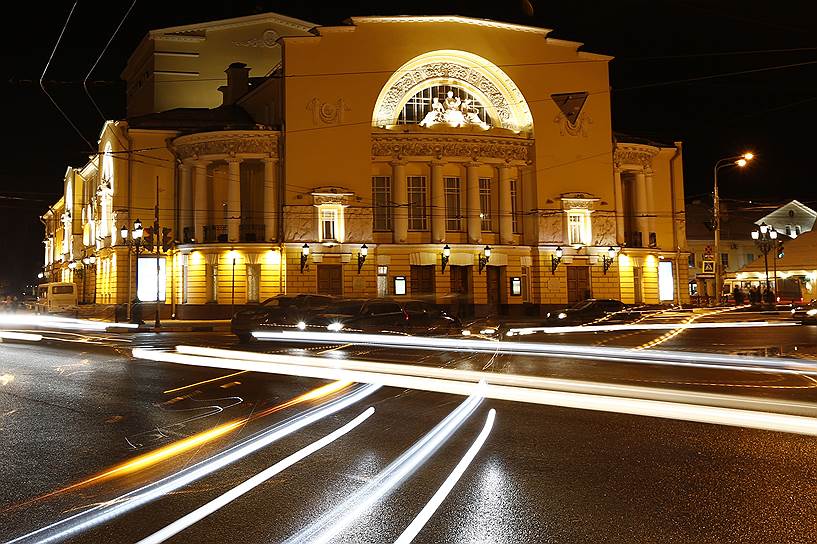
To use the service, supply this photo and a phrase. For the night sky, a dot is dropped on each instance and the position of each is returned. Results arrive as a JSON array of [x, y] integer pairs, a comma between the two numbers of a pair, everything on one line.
[[659, 46]]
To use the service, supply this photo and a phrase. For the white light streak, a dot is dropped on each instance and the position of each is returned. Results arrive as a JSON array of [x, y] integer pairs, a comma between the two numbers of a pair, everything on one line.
[[57, 322], [124, 503], [246, 486], [434, 503], [336, 520], [648, 327], [602, 353], [531, 389], [23, 336]]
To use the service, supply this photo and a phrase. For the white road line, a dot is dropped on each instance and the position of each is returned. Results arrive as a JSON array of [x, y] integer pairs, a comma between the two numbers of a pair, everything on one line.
[[434, 503], [246, 486]]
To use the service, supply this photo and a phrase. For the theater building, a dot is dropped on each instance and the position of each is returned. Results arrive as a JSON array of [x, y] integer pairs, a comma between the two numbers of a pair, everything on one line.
[[466, 161]]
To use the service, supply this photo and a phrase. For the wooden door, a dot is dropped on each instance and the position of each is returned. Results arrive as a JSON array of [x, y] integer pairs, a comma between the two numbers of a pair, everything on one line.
[[638, 288], [330, 279], [460, 290], [422, 281], [578, 283], [494, 285]]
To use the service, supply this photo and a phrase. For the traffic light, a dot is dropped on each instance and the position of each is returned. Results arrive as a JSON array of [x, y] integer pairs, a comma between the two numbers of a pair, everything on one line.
[[780, 251], [147, 239], [167, 239]]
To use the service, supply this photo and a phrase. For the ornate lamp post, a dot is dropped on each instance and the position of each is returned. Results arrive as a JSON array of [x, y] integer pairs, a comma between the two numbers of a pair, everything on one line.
[[134, 241], [765, 238], [739, 161]]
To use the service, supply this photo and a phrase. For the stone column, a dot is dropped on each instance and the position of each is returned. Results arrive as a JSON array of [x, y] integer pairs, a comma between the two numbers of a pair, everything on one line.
[[505, 206], [618, 188], [400, 200], [641, 208], [185, 199], [472, 203], [200, 190], [437, 202], [233, 198], [650, 207], [270, 199]]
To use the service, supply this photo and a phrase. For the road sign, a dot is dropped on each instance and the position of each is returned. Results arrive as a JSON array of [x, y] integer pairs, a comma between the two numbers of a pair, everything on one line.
[[708, 267]]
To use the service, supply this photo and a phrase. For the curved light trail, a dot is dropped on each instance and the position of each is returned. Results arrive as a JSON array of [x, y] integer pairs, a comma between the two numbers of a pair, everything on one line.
[[203, 511], [341, 516], [437, 499], [57, 322], [124, 503]]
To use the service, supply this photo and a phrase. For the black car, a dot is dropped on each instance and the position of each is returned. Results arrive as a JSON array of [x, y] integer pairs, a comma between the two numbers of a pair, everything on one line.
[[283, 311], [805, 313], [586, 312], [389, 315]]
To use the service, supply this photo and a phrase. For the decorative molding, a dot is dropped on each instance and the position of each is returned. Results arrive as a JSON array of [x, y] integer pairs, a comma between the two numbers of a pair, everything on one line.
[[413, 145], [390, 106], [486, 23], [268, 38], [327, 113], [634, 154], [228, 142], [331, 195], [578, 201], [579, 128]]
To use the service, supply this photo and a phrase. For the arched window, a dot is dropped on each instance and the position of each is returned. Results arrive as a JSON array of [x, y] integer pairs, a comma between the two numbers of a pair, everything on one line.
[[106, 187], [420, 105]]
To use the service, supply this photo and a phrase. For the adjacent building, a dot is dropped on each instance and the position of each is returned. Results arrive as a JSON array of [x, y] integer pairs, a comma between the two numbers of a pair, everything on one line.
[[467, 161]]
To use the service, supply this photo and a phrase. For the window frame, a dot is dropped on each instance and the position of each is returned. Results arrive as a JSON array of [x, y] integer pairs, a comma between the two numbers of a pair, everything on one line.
[[583, 224], [381, 204], [453, 217], [485, 206], [417, 192]]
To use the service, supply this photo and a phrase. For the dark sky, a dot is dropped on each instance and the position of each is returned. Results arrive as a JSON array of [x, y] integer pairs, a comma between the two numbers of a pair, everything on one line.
[[771, 111]]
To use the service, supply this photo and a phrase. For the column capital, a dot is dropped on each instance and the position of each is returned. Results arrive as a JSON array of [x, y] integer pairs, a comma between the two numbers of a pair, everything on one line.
[[473, 164], [200, 163], [438, 162], [398, 162], [270, 160], [233, 159]]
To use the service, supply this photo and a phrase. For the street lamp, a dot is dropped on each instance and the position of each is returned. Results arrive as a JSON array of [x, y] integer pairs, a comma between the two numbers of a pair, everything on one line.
[[765, 238], [555, 259], [607, 260], [739, 161], [484, 258], [361, 257], [446, 255], [304, 256]]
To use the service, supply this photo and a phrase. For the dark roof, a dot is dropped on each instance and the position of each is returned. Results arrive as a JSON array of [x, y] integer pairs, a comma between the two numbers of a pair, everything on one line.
[[188, 120], [630, 139], [737, 222]]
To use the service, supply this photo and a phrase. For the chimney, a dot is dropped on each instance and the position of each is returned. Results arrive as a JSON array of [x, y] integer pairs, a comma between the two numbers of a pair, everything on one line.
[[238, 83]]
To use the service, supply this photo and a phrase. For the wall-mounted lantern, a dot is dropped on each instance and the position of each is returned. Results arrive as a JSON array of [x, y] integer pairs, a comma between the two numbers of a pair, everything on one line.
[[445, 256], [484, 258], [361, 257], [304, 256], [607, 260], [555, 259]]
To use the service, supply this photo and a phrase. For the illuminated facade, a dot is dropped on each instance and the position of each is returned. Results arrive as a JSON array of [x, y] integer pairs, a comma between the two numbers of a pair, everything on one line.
[[474, 159]]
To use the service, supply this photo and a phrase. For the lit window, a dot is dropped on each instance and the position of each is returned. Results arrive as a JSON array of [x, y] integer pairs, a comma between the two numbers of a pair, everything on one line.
[[381, 202], [515, 219], [421, 104], [578, 227], [453, 222], [329, 220], [330, 223], [417, 197], [485, 204]]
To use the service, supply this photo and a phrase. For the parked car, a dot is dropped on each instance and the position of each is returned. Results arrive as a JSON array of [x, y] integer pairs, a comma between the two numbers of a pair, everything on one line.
[[389, 315], [805, 313], [586, 311], [283, 311]]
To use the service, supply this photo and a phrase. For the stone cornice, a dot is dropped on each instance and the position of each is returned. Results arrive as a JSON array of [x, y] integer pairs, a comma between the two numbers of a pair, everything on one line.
[[487, 23], [634, 154], [226, 142], [447, 145]]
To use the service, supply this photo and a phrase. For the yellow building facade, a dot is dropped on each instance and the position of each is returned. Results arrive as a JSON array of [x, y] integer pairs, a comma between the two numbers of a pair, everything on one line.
[[465, 161]]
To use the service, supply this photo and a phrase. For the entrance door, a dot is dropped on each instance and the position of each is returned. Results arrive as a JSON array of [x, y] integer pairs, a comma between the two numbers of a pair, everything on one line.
[[330, 279], [494, 284], [460, 290], [638, 289], [422, 281], [578, 283]]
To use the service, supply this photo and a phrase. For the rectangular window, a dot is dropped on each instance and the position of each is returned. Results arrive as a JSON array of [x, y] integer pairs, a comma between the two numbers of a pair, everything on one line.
[[382, 281], [253, 282], [788, 230], [516, 222], [453, 221], [417, 200], [526, 284], [211, 282], [725, 260], [485, 204], [749, 257], [152, 282], [575, 228], [185, 278], [329, 222], [797, 230], [692, 260], [381, 202]]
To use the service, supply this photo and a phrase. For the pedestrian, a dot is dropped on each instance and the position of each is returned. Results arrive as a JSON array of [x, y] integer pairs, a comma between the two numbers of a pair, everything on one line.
[[737, 293], [768, 296]]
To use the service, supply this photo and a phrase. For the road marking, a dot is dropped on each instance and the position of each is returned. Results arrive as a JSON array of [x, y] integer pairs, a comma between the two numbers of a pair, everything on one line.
[[182, 388], [434, 503], [203, 511]]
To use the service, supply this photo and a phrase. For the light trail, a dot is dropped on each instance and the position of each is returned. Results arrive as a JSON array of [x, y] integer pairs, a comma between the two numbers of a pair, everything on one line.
[[184, 445], [22, 336], [523, 389], [434, 503], [649, 327], [124, 503], [182, 388], [200, 513], [341, 516], [57, 322], [573, 351]]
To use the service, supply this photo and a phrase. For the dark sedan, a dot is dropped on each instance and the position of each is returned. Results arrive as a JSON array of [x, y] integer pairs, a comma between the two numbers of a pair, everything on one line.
[[389, 315], [805, 313], [587, 311], [285, 311]]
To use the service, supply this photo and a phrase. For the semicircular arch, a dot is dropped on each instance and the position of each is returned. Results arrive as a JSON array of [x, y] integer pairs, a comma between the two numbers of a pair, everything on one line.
[[474, 73]]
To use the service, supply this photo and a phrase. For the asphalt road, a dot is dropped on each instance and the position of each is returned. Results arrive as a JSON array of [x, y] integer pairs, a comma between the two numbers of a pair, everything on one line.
[[72, 410]]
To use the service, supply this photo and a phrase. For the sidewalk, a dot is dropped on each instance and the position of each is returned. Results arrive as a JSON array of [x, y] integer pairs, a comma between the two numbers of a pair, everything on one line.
[[184, 325]]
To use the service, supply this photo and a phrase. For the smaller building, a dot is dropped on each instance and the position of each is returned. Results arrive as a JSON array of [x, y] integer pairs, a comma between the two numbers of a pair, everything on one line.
[[792, 219]]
